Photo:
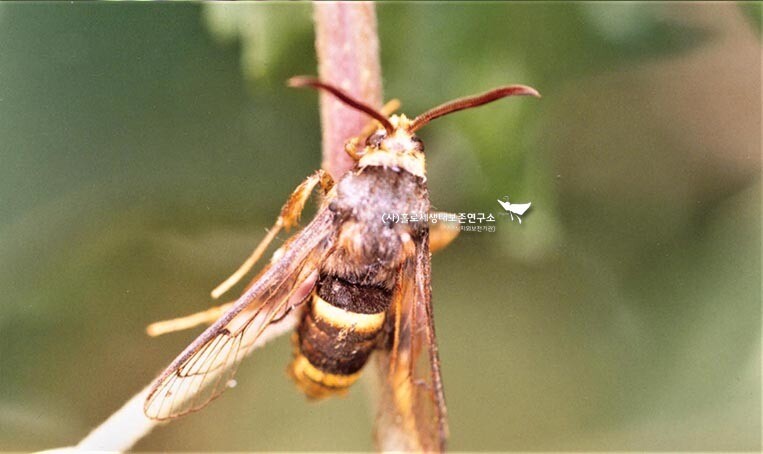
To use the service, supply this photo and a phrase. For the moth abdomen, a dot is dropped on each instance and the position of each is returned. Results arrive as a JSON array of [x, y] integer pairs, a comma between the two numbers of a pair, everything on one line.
[[337, 334]]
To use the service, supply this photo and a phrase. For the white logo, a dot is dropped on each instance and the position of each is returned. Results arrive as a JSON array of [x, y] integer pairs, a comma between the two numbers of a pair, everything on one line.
[[514, 209]]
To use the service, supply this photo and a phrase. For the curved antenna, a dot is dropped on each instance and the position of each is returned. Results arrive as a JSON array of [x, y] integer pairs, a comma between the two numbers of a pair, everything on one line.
[[306, 81], [471, 101]]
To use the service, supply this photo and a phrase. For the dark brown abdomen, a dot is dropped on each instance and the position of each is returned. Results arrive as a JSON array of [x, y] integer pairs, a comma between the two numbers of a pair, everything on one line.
[[337, 334]]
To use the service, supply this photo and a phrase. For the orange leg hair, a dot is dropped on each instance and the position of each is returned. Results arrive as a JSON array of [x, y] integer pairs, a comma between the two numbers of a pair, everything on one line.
[[289, 217]]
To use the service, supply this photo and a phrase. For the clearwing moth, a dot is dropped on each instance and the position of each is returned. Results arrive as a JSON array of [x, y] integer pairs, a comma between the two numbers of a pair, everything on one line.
[[351, 284]]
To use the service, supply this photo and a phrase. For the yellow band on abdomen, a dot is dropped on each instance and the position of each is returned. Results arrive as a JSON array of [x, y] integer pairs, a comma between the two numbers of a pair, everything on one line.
[[342, 319], [301, 367]]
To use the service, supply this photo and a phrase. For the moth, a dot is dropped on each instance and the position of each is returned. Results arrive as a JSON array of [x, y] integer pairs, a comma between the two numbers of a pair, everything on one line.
[[514, 209], [351, 284]]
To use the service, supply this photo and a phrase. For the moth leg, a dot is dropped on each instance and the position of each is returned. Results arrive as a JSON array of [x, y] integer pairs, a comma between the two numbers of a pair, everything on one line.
[[443, 232], [355, 145], [208, 316], [289, 217]]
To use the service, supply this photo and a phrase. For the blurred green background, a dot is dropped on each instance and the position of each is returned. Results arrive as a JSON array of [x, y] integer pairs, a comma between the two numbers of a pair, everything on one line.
[[145, 147]]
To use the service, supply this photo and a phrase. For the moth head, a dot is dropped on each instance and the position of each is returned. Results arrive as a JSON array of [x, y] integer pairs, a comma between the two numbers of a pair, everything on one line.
[[400, 140], [398, 149], [396, 140]]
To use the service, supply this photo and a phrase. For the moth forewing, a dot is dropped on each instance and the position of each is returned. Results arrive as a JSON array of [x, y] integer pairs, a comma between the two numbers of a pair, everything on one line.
[[412, 415], [432, 395], [203, 370]]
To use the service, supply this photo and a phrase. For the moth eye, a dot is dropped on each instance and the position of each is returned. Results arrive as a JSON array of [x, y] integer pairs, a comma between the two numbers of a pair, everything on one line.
[[417, 143], [375, 139]]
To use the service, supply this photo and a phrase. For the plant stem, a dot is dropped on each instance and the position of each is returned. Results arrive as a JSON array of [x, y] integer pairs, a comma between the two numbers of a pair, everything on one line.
[[347, 45]]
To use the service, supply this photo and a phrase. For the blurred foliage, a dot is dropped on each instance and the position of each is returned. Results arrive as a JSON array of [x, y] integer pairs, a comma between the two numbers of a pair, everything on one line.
[[754, 12], [146, 147]]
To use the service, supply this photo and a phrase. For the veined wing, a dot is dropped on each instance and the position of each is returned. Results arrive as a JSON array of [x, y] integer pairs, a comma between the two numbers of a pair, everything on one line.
[[204, 369], [412, 412]]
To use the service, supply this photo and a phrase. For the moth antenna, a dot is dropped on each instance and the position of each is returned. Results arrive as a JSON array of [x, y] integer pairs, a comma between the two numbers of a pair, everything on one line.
[[306, 81], [471, 101]]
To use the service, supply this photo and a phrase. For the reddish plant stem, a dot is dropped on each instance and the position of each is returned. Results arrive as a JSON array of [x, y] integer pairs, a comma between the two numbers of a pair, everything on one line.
[[347, 45]]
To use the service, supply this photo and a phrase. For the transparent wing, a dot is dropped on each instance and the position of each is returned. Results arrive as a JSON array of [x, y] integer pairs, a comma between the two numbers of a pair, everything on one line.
[[206, 367], [412, 412]]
